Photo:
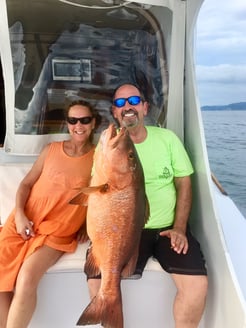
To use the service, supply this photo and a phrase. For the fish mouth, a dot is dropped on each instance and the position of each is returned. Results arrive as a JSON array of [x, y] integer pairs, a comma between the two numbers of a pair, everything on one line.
[[113, 136], [108, 134], [115, 133], [112, 131]]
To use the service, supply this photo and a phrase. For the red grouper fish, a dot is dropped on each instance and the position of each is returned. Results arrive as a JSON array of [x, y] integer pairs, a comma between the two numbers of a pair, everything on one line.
[[117, 211]]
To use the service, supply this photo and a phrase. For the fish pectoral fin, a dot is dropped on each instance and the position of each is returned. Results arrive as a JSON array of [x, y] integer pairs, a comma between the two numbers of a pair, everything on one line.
[[91, 189], [79, 199], [82, 197]]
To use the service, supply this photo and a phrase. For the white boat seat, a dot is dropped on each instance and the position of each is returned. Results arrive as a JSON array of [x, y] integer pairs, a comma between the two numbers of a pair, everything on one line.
[[74, 262], [10, 177]]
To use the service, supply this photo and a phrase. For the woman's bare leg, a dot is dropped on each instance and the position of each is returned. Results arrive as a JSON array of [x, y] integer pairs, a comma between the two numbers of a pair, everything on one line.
[[25, 296], [5, 301], [93, 286]]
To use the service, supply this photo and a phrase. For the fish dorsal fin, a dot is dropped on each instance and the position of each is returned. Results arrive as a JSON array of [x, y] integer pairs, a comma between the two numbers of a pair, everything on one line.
[[82, 196]]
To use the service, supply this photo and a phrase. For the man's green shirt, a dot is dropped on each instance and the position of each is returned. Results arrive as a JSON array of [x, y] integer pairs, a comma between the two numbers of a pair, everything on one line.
[[163, 158]]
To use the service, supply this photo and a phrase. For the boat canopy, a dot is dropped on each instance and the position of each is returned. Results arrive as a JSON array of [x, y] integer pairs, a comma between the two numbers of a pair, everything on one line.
[[59, 51]]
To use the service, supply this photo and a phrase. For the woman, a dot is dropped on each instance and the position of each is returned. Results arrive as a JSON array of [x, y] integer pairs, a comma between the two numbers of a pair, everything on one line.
[[43, 224]]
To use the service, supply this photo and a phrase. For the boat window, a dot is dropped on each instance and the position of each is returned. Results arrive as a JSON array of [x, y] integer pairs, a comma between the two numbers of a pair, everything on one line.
[[67, 50]]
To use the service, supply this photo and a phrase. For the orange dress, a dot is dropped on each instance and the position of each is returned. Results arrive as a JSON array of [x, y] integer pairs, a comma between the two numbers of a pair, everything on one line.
[[56, 222]]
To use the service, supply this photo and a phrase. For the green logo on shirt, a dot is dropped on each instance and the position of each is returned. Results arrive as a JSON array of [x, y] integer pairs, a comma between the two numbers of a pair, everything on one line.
[[165, 174]]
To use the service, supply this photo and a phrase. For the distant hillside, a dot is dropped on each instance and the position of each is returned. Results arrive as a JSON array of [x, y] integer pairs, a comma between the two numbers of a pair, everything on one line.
[[236, 106]]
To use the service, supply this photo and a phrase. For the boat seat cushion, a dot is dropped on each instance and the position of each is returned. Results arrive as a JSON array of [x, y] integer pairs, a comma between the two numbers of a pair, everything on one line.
[[10, 177]]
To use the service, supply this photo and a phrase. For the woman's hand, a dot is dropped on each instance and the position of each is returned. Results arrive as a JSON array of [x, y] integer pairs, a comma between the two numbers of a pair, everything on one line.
[[24, 226]]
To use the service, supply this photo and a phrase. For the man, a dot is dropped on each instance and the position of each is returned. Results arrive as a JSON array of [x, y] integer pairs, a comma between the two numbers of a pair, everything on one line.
[[166, 235]]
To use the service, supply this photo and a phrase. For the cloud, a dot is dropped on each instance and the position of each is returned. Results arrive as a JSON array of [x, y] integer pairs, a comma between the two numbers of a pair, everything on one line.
[[221, 84], [220, 94], [224, 73], [221, 52]]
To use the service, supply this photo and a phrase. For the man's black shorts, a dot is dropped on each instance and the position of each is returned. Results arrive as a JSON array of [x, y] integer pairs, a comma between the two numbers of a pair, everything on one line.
[[152, 244]]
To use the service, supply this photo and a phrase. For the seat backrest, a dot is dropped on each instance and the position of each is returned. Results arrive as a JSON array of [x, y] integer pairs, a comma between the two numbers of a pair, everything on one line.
[[10, 177]]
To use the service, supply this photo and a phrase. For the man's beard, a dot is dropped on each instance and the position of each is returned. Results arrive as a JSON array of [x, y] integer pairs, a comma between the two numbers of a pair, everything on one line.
[[130, 118]]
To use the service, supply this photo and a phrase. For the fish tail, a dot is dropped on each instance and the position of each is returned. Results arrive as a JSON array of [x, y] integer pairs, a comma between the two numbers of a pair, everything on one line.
[[104, 310]]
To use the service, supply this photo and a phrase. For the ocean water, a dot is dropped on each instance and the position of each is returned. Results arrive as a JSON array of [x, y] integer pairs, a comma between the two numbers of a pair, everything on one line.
[[225, 133]]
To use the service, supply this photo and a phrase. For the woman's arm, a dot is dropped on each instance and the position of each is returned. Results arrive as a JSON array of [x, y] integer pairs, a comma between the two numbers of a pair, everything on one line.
[[24, 224]]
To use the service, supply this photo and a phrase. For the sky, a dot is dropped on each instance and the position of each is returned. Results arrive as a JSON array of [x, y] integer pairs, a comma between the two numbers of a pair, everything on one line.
[[221, 52]]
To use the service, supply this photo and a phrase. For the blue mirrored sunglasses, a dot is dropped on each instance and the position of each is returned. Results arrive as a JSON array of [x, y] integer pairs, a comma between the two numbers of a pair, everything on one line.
[[133, 100], [83, 120]]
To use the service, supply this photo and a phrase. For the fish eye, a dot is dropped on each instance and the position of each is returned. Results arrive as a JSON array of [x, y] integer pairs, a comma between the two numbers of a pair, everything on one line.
[[131, 155]]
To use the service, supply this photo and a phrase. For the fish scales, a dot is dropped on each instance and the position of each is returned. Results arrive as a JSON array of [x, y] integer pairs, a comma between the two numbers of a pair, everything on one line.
[[117, 212]]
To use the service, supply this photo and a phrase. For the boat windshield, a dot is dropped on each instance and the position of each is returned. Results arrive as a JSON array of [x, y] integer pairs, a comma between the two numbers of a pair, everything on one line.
[[67, 50]]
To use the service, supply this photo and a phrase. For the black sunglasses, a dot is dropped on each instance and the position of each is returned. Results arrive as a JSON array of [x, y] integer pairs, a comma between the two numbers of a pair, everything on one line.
[[82, 120], [133, 100]]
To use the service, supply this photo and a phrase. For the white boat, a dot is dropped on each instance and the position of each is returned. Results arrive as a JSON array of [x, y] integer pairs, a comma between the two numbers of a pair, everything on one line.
[[53, 51]]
